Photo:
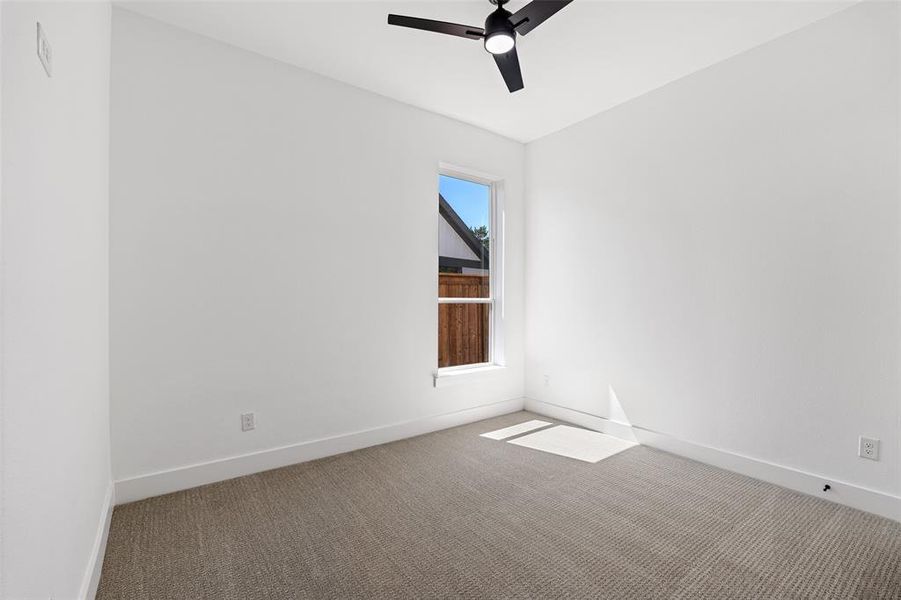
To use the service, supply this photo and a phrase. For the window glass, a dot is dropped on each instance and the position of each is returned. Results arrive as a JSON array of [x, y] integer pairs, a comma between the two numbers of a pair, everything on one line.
[[464, 272], [464, 232]]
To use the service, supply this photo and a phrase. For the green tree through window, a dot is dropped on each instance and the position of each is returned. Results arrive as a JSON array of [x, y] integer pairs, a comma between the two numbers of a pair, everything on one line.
[[481, 232]]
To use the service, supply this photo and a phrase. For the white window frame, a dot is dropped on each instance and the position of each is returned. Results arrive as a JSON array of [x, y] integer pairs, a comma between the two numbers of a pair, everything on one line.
[[496, 274]]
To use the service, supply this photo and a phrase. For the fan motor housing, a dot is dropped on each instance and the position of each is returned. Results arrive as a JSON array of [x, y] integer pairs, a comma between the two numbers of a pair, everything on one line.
[[499, 22]]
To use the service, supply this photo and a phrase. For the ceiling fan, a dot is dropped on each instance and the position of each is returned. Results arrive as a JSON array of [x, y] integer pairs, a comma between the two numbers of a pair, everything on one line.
[[499, 32]]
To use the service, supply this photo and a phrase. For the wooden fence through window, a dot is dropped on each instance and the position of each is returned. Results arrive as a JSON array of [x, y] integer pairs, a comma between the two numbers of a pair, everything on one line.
[[462, 328]]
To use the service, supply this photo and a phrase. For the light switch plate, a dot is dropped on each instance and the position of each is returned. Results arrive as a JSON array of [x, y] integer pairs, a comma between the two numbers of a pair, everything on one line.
[[45, 52]]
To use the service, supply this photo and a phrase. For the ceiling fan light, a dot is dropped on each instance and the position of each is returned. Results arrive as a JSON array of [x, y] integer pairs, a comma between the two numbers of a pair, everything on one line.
[[499, 43]]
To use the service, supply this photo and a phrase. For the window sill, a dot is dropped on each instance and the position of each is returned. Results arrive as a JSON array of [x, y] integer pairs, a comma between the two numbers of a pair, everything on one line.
[[454, 375]]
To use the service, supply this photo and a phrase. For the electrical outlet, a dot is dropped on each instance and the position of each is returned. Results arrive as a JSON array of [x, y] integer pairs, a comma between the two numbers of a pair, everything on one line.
[[248, 421], [868, 448], [547, 380], [45, 52]]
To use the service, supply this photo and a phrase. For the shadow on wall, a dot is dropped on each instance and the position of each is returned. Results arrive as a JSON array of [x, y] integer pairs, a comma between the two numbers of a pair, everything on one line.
[[617, 414]]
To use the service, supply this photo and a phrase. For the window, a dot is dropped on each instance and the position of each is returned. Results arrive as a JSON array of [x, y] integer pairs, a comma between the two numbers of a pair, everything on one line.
[[467, 271]]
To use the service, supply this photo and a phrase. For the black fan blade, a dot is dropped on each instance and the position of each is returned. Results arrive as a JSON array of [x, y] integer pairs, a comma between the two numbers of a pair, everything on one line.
[[465, 31], [535, 13], [508, 63]]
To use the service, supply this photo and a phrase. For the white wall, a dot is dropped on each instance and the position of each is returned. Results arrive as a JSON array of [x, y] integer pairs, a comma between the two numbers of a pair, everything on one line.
[[54, 243], [723, 253], [267, 227]]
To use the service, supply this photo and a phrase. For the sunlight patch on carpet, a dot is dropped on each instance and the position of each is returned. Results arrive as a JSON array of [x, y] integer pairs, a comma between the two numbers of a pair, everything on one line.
[[507, 432], [573, 442]]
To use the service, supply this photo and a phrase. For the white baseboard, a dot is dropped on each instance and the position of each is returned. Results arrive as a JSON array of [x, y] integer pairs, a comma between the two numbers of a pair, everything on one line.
[[855, 496], [189, 476], [92, 574]]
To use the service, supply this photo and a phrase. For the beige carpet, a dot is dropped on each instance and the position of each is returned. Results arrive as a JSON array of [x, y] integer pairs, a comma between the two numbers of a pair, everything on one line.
[[455, 515]]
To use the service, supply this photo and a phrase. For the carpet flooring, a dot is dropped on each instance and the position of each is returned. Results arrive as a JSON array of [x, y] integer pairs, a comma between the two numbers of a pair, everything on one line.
[[454, 515]]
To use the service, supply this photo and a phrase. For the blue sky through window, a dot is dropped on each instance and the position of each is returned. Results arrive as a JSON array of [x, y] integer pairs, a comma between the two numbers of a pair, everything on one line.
[[472, 201]]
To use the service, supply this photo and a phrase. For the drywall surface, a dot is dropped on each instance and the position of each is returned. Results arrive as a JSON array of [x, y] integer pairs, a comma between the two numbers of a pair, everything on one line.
[[274, 239], [718, 260], [55, 367]]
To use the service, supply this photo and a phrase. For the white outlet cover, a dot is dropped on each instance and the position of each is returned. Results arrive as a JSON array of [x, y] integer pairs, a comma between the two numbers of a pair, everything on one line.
[[868, 448], [45, 52], [248, 421]]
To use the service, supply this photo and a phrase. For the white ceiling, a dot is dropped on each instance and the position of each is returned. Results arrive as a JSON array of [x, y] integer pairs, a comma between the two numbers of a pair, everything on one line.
[[589, 57]]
